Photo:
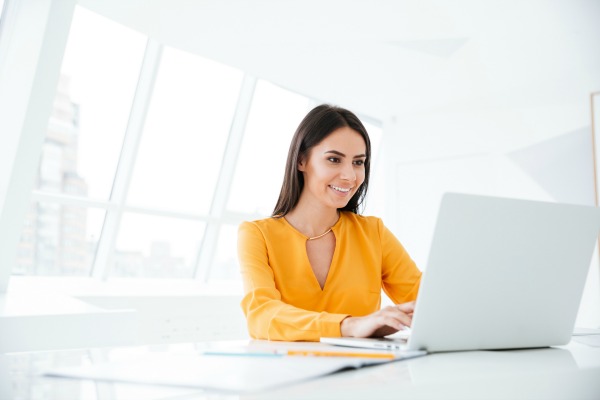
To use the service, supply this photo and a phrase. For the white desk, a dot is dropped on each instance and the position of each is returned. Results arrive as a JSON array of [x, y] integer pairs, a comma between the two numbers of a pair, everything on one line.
[[568, 372]]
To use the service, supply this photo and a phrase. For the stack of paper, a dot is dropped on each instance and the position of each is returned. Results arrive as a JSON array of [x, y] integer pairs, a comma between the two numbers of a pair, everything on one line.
[[238, 370]]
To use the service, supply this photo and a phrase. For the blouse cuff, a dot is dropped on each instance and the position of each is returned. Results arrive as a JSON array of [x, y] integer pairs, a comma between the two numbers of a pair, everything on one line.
[[331, 324]]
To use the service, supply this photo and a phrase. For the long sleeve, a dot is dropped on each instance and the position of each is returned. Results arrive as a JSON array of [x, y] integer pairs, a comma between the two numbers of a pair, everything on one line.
[[269, 317], [400, 276]]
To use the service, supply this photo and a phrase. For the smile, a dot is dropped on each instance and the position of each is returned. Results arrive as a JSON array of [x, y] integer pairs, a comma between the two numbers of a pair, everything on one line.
[[340, 189]]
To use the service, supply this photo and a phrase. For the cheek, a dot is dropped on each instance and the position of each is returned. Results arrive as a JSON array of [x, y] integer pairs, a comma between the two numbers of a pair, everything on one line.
[[321, 174], [360, 176], [315, 177]]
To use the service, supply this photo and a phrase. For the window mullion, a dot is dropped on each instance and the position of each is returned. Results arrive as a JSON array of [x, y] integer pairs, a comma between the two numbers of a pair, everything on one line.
[[124, 172], [207, 248], [77, 201], [34, 36]]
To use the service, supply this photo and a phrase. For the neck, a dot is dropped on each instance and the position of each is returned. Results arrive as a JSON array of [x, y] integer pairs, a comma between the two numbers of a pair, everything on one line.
[[312, 221]]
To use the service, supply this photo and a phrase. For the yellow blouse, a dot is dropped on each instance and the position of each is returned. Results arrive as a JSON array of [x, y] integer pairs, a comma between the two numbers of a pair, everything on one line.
[[283, 299]]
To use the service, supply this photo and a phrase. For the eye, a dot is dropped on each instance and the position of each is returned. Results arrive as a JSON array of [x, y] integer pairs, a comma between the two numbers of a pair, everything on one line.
[[334, 160], [359, 162]]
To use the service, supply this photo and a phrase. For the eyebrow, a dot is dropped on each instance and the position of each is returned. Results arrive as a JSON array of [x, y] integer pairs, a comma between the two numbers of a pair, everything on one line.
[[343, 155]]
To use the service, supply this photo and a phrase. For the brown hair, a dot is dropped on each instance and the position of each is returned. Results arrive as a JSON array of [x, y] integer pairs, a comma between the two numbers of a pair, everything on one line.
[[319, 123]]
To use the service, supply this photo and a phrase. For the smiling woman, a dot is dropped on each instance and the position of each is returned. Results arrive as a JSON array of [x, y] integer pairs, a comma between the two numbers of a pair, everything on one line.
[[340, 175], [316, 268]]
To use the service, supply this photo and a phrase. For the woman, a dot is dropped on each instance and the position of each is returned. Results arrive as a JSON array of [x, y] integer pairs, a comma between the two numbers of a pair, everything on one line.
[[316, 268]]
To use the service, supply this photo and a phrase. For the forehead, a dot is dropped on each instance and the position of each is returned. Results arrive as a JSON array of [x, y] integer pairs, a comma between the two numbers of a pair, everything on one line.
[[344, 138]]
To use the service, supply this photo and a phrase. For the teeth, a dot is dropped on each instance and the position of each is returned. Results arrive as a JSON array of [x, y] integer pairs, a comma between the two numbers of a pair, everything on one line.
[[339, 189]]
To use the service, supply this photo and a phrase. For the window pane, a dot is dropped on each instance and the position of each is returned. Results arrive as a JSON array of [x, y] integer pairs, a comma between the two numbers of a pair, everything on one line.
[[98, 77], [225, 264], [58, 240], [185, 133], [157, 247], [273, 119]]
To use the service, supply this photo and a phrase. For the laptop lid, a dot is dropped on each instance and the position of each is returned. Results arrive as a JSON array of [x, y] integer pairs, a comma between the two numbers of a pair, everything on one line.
[[503, 273]]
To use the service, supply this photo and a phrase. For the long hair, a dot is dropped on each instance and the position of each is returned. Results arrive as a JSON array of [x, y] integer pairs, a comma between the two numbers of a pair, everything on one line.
[[319, 123]]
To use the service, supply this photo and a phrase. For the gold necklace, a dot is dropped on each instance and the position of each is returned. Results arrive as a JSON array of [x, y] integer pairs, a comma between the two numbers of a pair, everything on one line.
[[321, 235]]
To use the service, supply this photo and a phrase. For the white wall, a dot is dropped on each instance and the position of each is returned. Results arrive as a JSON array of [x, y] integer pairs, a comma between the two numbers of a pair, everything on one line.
[[515, 150]]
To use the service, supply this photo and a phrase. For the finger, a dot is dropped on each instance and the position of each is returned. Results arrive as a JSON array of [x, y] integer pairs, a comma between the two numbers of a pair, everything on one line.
[[398, 308], [384, 331], [406, 320], [397, 320], [394, 312], [406, 307], [392, 322]]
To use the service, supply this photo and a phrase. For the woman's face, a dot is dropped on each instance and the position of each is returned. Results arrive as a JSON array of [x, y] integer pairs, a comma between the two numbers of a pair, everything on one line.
[[334, 168]]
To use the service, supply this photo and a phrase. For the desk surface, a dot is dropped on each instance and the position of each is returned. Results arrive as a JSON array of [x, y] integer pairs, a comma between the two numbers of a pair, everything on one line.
[[566, 372]]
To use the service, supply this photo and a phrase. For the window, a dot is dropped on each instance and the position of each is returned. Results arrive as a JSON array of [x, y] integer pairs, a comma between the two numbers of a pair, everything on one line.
[[185, 133], [99, 74], [80, 153], [58, 239], [274, 117], [225, 265], [118, 198], [151, 246]]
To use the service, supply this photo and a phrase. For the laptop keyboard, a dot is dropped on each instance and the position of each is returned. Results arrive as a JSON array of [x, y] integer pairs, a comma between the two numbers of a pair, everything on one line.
[[402, 335]]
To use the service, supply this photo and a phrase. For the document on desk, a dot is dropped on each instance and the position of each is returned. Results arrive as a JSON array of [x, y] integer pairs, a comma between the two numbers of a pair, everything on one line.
[[222, 372]]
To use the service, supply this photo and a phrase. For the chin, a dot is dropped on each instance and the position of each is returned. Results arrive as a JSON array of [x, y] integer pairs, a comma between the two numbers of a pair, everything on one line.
[[341, 204], [338, 203]]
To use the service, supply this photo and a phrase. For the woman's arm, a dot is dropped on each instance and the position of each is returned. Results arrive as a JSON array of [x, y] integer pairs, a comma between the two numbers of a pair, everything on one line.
[[399, 273], [401, 279]]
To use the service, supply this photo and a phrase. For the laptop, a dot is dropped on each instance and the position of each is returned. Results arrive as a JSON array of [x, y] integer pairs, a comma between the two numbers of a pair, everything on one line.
[[502, 274]]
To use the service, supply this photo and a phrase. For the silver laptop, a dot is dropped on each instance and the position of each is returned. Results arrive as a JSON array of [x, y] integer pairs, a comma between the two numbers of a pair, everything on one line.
[[502, 274]]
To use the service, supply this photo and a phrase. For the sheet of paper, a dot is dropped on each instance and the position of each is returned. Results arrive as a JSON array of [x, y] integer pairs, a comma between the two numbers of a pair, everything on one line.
[[214, 372]]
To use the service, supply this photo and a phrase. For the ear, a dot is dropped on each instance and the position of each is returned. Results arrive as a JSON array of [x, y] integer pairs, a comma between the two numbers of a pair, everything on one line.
[[302, 163]]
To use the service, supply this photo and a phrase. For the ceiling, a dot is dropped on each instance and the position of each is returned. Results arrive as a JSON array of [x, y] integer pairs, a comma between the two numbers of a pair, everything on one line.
[[386, 58]]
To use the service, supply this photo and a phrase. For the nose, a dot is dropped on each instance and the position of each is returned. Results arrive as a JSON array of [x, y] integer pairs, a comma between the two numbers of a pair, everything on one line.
[[348, 173]]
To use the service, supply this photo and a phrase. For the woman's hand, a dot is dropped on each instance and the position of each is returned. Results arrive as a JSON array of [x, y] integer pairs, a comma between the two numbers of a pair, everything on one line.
[[384, 322]]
